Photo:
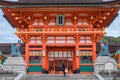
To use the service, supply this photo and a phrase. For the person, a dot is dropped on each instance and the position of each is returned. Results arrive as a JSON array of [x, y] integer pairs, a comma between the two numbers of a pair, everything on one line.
[[63, 68]]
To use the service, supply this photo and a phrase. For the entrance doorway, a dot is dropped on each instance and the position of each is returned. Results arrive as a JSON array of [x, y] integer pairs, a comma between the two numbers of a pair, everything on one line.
[[56, 59]]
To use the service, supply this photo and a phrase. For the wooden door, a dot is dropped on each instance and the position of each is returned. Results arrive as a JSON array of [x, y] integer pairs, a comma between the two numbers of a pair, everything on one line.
[[56, 59]]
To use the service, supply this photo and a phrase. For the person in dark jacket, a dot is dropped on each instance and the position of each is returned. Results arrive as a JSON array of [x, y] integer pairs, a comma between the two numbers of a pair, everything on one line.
[[63, 68]]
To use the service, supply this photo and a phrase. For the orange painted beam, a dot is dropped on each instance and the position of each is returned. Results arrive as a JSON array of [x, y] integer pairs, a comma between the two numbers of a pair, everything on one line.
[[85, 48], [60, 44], [34, 72], [86, 72], [35, 44], [86, 64], [63, 9], [34, 64], [35, 48], [63, 33], [85, 44]]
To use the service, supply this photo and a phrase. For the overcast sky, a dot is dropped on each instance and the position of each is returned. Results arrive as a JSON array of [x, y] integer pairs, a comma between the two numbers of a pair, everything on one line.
[[7, 32]]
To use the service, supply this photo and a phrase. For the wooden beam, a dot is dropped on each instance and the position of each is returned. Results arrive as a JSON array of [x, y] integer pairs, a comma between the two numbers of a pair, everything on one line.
[[57, 9], [65, 33]]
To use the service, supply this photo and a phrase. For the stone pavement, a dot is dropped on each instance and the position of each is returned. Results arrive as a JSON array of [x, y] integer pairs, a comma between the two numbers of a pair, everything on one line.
[[6, 78], [59, 77]]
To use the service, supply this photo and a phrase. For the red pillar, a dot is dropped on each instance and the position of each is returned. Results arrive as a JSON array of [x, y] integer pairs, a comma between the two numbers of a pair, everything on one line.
[[27, 54], [47, 67], [44, 56], [118, 60], [74, 60], [94, 52], [77, 56]]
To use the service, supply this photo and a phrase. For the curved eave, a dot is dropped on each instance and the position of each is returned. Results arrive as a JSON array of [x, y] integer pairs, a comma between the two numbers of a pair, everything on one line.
[[113, 16], [15, 23], [39, 3], [112, 19], [9, 18]]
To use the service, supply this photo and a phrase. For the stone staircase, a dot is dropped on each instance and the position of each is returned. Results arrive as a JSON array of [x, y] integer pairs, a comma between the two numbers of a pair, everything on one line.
[[15, 64], [59, 77]]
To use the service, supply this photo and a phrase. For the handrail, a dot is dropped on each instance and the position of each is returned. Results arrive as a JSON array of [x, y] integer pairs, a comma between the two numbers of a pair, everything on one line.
[[19, 77], [99, 77]]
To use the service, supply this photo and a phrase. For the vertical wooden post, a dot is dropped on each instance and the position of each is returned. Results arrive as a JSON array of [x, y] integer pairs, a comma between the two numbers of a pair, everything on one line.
[[94, 52], [76, 37], [74, 63], [44, 60], [77, 61], [44, 56], [77, 56], [47, 67], [27, 53], [0, 59], [118, 59]]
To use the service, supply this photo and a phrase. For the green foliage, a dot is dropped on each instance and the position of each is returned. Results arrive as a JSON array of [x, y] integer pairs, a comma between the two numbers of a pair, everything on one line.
[[111, 39], [104, 40]]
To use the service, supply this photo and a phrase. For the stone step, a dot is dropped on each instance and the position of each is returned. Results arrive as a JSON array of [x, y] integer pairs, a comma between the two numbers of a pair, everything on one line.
[[15, 64], [7, 78], [59, 77], [14, 61]]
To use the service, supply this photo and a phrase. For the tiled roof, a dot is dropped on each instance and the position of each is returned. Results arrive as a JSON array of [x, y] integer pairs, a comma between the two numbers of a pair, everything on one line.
[[59, 2]]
